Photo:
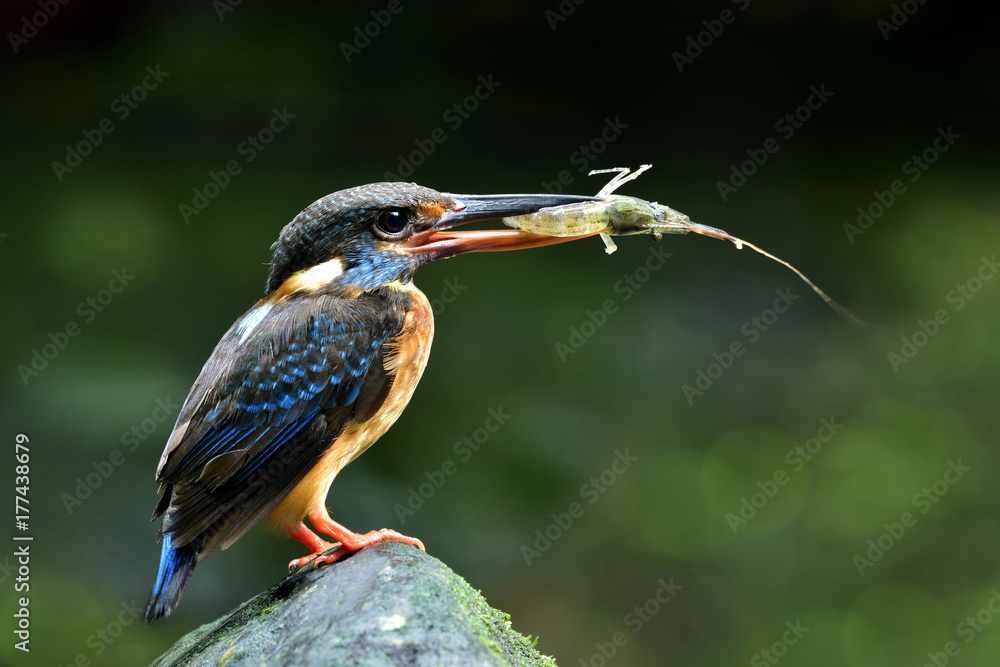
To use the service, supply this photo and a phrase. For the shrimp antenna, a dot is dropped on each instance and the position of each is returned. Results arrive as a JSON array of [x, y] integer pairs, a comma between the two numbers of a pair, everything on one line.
[[712, 232]]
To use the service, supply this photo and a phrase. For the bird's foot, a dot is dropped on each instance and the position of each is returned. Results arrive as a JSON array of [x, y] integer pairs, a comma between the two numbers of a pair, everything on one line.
[[348, 542], [351, 541], [339, 551]]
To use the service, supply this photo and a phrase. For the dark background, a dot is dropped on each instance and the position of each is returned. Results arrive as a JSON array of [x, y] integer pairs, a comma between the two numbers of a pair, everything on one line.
[[665, 517]]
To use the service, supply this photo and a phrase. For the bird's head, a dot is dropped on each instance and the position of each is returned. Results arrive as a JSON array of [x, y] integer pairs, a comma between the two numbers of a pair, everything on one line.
[[365, 237]]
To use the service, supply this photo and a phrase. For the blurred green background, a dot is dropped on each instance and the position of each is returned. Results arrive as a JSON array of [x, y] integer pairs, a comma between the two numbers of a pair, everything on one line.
[[716, 499]]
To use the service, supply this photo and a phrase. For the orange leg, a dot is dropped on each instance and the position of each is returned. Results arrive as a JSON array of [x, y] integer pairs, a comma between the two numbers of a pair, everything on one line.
[[349, 541]]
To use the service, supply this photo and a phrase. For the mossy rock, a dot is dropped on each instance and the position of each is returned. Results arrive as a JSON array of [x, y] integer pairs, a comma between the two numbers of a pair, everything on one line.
[[390, 604]]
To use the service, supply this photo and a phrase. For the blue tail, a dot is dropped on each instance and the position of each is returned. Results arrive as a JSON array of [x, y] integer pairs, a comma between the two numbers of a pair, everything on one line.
[[176, 566]]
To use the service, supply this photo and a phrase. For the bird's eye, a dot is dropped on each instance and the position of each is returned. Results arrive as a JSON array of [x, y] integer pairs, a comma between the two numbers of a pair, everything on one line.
[[393, 221]]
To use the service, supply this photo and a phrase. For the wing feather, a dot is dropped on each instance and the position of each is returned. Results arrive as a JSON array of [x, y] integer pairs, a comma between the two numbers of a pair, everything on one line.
[[267, 404]]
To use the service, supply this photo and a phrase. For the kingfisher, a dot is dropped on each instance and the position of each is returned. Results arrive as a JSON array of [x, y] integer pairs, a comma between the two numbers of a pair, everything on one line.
[[315, 372]]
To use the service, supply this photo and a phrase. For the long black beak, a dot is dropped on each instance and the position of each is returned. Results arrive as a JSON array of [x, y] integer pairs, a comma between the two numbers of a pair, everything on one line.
[[441, 243]]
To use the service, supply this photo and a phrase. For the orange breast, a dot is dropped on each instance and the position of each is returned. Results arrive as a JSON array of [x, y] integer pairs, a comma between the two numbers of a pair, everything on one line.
[[407, 357]]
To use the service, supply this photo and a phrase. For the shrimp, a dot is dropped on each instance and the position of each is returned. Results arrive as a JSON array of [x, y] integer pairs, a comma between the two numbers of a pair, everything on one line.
[[618, 215], [611, 215]]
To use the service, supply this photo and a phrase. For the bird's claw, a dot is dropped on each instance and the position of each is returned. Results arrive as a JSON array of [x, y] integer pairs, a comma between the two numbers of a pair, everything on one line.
[[330, 548]]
